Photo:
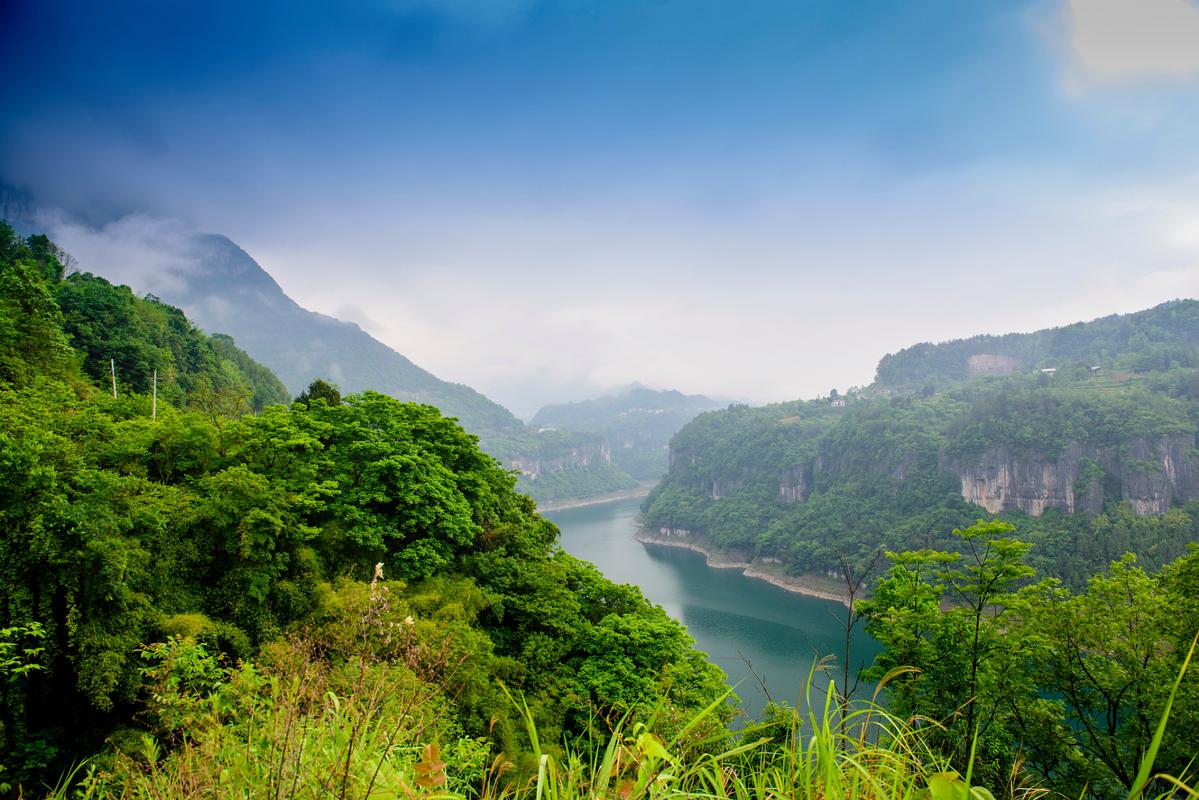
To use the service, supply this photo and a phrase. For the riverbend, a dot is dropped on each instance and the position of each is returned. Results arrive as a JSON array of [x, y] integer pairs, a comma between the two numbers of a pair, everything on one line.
[[766, 638]]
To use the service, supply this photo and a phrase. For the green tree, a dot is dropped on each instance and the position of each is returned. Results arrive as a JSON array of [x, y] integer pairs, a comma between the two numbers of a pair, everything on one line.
[[1110, 654], [944, 614], [320, 389]]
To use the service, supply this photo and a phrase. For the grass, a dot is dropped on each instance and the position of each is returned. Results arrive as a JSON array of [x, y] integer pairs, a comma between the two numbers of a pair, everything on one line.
[[292, 737], [377, 733]]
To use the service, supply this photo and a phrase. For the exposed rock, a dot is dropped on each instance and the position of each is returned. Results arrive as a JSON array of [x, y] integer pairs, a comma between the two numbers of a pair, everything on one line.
[[1151, 474], [793, 485], [990, 364], [722, 488], [571, 458]]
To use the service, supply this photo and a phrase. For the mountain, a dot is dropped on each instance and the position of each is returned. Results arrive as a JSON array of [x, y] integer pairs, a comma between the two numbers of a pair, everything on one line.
[[224, 290], [79, 327], [1153, 339], [1088, 464], [140, 523], [637, 424]]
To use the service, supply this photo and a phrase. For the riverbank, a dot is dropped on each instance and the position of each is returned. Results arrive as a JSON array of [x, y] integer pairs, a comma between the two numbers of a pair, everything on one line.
[[599, 499], [811, 586]]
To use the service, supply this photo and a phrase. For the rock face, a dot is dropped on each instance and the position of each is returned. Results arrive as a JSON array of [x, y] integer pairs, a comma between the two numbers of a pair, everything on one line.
[[793, 485], [574, 457], [990, 364], [1151, 473], [722, 488]]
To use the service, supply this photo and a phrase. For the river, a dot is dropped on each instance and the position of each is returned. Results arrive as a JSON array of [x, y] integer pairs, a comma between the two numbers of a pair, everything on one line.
[[738, 621]]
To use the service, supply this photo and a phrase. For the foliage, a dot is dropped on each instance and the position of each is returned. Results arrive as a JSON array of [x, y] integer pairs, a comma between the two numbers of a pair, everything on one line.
[[358, 747], [1068, 690], [320, 389], [155, 553], [637, 424], [1158, 339], [578, 482], [811, 483]]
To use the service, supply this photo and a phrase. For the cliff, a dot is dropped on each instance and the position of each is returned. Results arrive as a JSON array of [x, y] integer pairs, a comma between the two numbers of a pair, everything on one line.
[[637, 423], [811, 483], [587, 452], [1151, 473]]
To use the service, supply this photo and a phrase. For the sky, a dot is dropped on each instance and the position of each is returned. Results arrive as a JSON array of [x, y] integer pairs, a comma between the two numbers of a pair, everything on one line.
[[749, 198]]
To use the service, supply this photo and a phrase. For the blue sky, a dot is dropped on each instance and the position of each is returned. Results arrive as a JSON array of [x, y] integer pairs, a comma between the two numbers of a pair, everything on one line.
[[755, 199]]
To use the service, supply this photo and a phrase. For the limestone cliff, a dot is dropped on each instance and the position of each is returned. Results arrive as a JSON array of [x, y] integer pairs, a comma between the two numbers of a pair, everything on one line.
[[574, 456], [990, 364], [1150, 473], [793, 485]]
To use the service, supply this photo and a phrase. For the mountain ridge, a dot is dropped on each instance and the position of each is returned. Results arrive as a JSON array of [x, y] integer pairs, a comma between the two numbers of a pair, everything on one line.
[[225, 291], [1162, 332]]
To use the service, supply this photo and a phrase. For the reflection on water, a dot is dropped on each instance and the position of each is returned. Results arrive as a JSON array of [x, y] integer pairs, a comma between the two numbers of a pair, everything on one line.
[[736, 620]]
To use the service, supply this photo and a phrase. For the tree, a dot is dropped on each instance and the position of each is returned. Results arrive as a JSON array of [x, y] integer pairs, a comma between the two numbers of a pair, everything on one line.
[[944, 614], [320, 389], [31, 337], [1111, 655]]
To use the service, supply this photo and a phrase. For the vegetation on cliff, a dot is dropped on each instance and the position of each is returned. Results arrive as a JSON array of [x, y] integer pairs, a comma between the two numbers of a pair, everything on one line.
[[1155, 340], [814, 483], [637, 424]]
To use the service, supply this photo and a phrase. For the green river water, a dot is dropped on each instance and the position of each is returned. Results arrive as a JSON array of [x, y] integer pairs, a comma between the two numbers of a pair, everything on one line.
[[737, 621]]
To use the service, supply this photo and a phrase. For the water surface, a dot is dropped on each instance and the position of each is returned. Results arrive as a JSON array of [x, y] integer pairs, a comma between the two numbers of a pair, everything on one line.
[[737, 621]]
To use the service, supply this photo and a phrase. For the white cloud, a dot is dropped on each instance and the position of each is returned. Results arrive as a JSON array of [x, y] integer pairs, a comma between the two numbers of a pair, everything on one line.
[[1130, 39], [146, 252]]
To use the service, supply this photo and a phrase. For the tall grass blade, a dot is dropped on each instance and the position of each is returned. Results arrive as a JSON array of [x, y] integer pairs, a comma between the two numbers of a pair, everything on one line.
[[1146, 771]]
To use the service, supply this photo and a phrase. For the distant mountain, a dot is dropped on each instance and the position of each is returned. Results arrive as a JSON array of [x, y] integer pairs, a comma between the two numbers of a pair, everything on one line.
[[226, 290], [1155, 339], [223, 290], [636, 423]]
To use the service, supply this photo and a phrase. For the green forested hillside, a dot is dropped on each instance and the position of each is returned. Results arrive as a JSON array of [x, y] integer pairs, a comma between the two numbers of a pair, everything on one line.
[[82, 325], [1155, 340], [223, 289], [1087, 467], [129, 542], [637, 424]]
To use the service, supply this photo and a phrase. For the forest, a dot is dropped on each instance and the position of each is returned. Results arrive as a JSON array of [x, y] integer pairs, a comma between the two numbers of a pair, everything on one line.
[[214, 590], [208, 527], [815, 483], [637, 423]]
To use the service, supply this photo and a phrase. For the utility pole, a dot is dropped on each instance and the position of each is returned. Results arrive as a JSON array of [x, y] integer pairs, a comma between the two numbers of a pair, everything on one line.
[[154, 402], [113, 366]]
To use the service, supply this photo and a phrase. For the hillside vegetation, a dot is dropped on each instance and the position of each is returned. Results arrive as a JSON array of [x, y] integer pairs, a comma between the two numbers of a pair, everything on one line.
[[1088, 465], [637, 425], [1154, 340], [223, 289], [229, 531], [344, 596]]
